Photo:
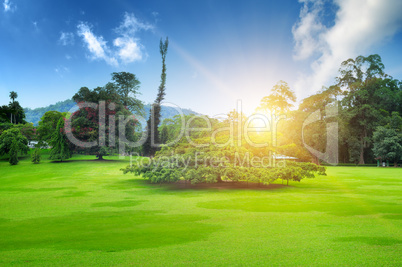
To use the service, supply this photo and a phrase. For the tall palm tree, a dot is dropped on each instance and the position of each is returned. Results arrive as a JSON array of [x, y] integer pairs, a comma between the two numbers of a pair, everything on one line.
[[13, 96]]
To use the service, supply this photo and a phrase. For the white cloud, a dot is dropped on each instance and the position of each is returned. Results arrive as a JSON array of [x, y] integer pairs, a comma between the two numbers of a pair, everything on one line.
[[359, 26], [129, 50], [131, 25], [129, 47], [126, 47], [306, 30], [96, 45], [8, 6], [66, 38]]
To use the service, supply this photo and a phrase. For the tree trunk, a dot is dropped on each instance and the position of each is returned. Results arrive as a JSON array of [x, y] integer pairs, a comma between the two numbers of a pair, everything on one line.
[[361, 160], [316, 160], [395, 163]]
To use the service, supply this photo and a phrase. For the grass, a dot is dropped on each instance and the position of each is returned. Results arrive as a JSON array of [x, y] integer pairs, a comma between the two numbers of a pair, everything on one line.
[[85, 212]]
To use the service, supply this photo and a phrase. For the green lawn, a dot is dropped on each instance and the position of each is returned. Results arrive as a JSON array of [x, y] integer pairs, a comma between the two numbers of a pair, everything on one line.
[[85, 212]]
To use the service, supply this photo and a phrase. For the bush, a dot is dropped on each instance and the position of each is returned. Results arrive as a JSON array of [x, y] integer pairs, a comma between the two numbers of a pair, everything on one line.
[[14, 153], [35, 156]]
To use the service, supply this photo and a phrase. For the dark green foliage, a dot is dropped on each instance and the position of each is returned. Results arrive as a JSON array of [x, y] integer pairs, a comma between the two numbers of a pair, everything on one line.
[[10, 136], [35, 156], [87, 125], [209, 174], [13, 95], [48, 124], [164, 135], [5, 114], [215, 165], [14, 153], [369, 96], [5, 126], [103, 151], [127, 86], [387, 144], [60, 149], [18, 115], [27, 130], [12, 113], [388, 140]]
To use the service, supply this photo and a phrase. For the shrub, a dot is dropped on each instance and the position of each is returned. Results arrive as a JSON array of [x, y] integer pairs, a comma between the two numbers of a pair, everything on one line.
[[14, 153], [35, 156]]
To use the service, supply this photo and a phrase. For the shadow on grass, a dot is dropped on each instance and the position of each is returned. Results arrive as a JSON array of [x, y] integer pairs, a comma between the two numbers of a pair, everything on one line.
[[379, 241], [342, 207], [74, 193], [118, 204], [182, 185], [45, 189], [87, 160], [6, 158]]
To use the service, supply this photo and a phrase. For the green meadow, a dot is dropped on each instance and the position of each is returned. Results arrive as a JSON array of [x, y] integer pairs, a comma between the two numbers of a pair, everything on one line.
[[86, 212]]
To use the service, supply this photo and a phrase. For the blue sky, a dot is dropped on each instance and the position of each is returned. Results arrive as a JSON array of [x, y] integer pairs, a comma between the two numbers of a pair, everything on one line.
[[220, 51]]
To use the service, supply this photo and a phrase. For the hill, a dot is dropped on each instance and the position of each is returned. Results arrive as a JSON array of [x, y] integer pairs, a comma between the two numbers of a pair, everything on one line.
[[34, 115]]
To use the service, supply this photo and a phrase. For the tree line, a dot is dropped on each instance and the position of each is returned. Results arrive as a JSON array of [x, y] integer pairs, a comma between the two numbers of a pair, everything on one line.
[[367, 100]]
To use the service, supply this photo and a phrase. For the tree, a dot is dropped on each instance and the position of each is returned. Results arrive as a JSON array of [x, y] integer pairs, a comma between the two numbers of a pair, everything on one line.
[[5, 114], [10, 136], [18, 112], [5, 126], [387, 144], [35, 156], [361, 78], [101, 126], [47, 125], [60, 149], [27, 130], [164, 135], [13, 153], [277, 104], [13, 113], [127, 86], [315, 133], [13, 96], [280, 100], [388, 140], [215, 171], [150, 145]]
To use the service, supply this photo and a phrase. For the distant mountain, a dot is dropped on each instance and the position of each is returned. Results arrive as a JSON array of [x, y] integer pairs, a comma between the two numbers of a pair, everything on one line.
[[34, 115]]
